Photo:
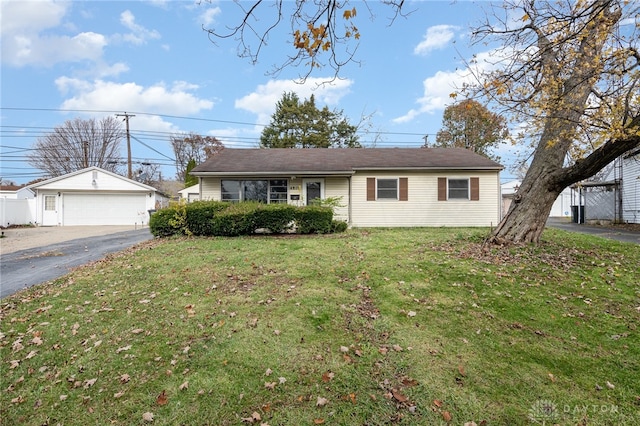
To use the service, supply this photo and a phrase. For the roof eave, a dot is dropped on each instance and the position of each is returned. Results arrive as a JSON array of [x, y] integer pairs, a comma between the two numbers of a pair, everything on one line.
[[279, 173]]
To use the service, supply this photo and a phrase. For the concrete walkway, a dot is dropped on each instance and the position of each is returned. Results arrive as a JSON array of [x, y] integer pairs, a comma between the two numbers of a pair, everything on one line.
[[612, 233]]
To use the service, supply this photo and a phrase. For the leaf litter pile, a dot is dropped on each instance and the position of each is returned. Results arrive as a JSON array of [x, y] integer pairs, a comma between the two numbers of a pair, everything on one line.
[[403, 326]]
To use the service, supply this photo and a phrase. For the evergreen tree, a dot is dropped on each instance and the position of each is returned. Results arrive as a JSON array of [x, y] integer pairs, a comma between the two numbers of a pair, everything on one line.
[[297, 124]]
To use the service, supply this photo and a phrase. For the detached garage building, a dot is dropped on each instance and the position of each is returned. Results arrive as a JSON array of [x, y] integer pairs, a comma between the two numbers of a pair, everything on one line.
[[94, 196]]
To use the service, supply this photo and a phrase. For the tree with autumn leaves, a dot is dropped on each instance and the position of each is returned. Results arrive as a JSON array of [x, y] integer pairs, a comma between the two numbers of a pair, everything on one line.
[[471, 125], [570, 70], [567, 71]]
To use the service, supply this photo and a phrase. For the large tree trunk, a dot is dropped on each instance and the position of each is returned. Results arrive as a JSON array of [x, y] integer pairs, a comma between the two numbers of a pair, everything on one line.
[[567, 102], [527, 216]]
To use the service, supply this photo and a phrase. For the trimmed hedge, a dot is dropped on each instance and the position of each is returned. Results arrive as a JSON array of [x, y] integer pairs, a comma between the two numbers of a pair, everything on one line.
[[217, 218], [314, 220], [200, 216], [275, 218]]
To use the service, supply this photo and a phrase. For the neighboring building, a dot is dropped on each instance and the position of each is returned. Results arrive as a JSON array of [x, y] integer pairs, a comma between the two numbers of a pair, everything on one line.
[[190, 194], [94, 196], [377, 187], [14, 192], [617, 197], [561, 206], [17, 205]]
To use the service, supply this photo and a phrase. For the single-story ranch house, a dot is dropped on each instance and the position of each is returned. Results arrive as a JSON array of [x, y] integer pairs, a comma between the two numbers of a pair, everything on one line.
[[377, 187]]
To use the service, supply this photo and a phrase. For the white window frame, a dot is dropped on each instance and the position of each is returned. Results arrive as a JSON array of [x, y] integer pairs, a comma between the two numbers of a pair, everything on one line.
[[468, 189], [396, 197]]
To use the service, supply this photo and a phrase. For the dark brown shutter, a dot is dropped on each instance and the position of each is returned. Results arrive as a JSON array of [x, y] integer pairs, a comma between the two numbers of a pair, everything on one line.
[[371, 189], [442, 189], [475, 188], [404, 189]]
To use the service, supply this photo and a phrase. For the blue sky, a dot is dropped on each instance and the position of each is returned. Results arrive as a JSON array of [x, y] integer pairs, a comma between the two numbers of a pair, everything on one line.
[[62, 60]]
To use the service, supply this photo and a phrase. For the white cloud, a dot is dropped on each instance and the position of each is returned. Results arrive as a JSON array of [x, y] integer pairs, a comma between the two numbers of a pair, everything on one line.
[[263, 100], [139, 35], [437, 37], [23, 43], [100, 95], [438, 88], [30, 17], [208, 17], [436, 93]]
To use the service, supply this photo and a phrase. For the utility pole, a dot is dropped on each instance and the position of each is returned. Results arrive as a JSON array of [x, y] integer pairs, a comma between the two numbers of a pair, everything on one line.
[[85, 150], [126, 120]]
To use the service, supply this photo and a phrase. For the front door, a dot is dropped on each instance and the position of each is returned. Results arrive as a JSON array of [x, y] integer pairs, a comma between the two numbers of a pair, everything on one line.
[[312, 189], [50, 210]]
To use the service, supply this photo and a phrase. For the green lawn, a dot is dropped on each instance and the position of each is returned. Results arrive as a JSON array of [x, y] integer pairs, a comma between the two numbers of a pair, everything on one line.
[[368, 327]]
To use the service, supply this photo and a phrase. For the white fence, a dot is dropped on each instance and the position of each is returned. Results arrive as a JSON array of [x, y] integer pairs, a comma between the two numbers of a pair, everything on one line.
[[17, 212]]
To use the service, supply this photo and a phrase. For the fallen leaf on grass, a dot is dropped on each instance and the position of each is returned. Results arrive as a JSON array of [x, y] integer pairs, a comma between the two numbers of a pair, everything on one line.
[[327, 376], [270, 385], [36, 341], [122, 349], [124, 378], [321, 402], [18, 400], [437, 403], [399, 396], [147, 417], [411, 314], [318, 421], [31, 354], [610, 385], [407, 381], [461, 370], [184, 386], [118, 394], [446, 416], [255, 417], [88, 383], [162, 398]]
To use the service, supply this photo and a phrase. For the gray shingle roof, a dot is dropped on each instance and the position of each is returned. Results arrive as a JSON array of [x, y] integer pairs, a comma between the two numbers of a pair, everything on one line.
[[339, 160]]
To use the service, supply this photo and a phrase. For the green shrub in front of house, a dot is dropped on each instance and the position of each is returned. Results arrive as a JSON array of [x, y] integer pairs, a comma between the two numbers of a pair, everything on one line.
[[237, 219], [314, 220], [275, 218], [338, 226], [162, 222], [200, 214], [216, 218]]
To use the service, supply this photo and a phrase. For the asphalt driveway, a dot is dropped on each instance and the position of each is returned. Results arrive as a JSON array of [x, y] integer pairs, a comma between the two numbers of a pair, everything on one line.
[[25, 268], [612, 233]]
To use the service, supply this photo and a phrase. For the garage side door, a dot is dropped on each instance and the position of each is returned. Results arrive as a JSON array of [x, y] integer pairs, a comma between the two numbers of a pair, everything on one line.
[[104, 209]]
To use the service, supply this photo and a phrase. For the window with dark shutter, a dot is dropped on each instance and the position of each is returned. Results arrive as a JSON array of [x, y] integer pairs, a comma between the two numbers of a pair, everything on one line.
[[371, 189], [404, 189], [442, 189], [475, 188]]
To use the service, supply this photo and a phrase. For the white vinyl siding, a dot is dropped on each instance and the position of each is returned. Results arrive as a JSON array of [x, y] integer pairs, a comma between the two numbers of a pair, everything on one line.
[[422, 207]]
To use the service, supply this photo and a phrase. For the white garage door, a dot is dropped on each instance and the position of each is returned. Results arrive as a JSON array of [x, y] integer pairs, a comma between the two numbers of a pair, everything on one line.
[[107, 209]]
